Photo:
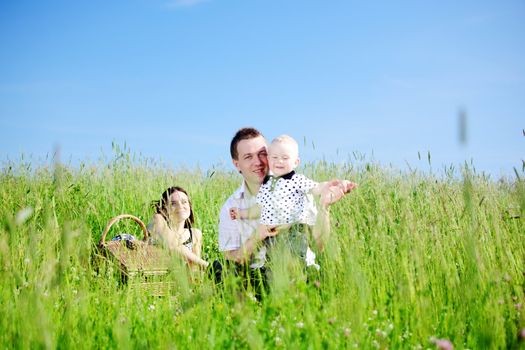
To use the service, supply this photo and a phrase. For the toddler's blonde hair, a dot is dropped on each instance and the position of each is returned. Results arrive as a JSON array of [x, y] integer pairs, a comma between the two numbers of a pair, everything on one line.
[[288, 140]]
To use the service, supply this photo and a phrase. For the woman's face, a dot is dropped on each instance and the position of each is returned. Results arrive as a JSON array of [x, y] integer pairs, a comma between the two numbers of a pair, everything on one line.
[[178, 207]]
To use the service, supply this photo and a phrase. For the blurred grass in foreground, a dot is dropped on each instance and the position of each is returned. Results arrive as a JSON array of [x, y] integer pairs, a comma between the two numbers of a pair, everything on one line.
[[412, 257]]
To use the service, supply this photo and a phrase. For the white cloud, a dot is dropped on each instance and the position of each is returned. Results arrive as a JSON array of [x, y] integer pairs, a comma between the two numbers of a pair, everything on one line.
[[184, 3]]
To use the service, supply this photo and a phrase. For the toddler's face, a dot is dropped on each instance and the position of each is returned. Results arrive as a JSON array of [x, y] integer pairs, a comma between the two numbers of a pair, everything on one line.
[[282, 157]]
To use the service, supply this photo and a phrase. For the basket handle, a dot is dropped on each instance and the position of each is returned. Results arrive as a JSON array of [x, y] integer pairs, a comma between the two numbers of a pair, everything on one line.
[[102, 242]]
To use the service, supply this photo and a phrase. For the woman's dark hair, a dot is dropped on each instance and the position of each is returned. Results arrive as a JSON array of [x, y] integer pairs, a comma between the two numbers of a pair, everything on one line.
[[162, 204]]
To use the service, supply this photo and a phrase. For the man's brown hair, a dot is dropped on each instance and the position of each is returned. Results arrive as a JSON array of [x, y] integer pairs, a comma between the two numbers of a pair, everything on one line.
[[242, 134]]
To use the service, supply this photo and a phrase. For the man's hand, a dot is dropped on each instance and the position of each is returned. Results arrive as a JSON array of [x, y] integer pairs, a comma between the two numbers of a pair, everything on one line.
[[267, 231]]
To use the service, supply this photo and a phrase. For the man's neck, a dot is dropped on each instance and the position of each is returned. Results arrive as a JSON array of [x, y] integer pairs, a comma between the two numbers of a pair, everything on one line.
[[252, 188]]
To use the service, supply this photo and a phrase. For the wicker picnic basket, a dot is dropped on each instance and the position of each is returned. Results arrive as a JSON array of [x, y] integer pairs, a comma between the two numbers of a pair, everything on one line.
[[141, 263]]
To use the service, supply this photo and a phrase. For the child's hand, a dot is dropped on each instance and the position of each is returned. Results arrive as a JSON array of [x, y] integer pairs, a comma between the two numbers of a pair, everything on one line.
[[347, 186], [335, 190], [234, 213]]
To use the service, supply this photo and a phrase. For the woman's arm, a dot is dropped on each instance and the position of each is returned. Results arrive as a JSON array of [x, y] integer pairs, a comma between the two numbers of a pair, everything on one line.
[[190, 256], [160, 228], [197, 241]]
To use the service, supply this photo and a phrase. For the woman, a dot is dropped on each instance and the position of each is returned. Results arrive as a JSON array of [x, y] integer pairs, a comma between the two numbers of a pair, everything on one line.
[[172, 225]]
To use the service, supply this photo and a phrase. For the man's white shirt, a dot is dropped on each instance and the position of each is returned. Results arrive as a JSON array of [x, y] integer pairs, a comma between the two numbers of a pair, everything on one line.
[[233, 233]]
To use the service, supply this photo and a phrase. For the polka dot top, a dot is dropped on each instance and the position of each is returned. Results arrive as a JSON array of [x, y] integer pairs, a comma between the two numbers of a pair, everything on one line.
[[286, 199]]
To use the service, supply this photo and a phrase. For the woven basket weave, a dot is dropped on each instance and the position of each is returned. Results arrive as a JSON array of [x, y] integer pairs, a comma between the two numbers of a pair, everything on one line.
[[140, 262]]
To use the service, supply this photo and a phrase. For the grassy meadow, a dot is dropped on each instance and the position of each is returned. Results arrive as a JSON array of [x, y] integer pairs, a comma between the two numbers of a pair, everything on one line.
[[413, 257]]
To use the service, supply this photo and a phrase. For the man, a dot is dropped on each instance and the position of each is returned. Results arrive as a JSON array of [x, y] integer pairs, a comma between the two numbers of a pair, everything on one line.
[[239, 239]]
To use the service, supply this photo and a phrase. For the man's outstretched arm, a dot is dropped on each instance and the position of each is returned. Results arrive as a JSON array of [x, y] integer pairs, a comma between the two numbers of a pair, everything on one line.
[[332, 192]]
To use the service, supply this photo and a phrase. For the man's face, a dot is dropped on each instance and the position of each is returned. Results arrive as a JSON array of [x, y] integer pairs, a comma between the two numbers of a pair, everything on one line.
[[252, 161]]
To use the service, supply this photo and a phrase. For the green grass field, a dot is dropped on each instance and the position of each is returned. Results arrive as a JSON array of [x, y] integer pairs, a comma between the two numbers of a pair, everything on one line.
[[412, 257]]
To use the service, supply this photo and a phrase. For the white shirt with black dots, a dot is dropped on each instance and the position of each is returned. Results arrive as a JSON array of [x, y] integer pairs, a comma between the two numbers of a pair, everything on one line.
[[286, 200]]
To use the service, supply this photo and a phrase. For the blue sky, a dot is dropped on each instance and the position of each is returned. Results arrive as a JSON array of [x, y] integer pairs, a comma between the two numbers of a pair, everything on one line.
[[176, 79]]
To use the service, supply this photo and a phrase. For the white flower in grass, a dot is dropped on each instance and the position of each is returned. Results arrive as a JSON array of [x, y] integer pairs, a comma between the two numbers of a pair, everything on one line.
[[23, 215], [278, 341], [380, 333], [347, 332], [252, 297], [300, 325], [151, 307]]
